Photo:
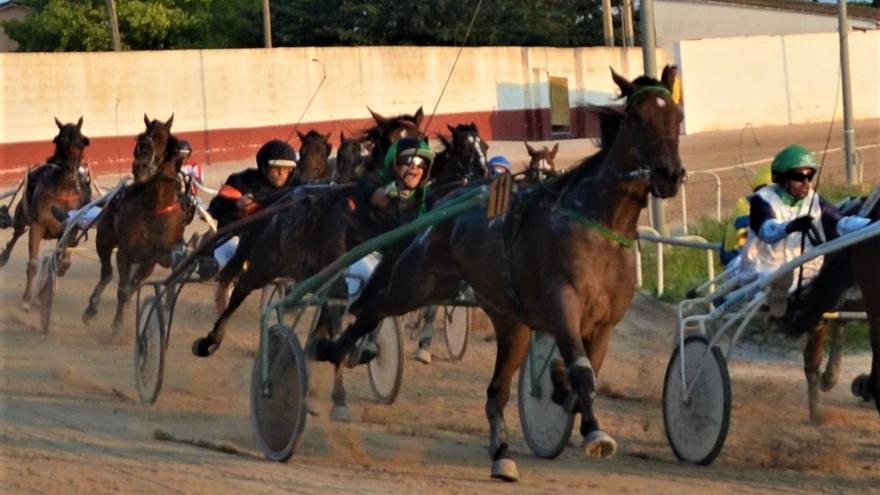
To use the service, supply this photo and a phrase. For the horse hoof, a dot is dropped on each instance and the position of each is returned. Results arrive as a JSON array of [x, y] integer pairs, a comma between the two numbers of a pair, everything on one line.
[[423, 356], [599, 445], [89, 317], [340, 414], [311, 408], [505, 470], [204, 347], [26, 306], [860, 387]]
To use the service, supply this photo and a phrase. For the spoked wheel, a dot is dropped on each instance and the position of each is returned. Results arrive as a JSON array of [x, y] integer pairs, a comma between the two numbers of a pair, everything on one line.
[[46, 291], [546, 425], [270, 294], [457, 329], [278, 405], [149, 349], [386, 369], [697, 427]]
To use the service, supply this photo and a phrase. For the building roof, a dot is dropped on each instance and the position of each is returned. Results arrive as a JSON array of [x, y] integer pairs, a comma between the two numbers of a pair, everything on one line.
[[803, 6]]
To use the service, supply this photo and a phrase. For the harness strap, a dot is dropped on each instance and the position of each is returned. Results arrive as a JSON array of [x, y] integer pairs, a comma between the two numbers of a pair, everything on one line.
[[601, 229], [67, 199]]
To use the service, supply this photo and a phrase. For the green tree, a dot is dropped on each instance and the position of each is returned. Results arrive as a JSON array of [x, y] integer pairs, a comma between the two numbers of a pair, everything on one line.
[[82, 25]]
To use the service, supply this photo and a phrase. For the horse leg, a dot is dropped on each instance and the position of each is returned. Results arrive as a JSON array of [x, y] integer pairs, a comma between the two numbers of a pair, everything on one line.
[[123, 294], [832, 367], [813, 354], [19, 228], [867, 274], [35, 235], [512, 344], [105, 254]]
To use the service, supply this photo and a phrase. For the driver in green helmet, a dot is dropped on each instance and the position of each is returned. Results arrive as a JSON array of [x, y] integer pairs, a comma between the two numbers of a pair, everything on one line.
[[784, 211]]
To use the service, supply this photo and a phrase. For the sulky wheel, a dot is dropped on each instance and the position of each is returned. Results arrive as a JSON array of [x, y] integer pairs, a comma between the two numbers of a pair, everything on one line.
[[149, 349], [278, 404], [546, 425], [46, 285], [386, 369], [696, 428], [457, 329]]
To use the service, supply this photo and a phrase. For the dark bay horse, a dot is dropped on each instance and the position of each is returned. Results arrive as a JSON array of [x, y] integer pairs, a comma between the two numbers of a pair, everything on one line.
[[463, 157], [855, 266], [61, 182], [146, 223], [351, 155], [314, 152], [559, 262]]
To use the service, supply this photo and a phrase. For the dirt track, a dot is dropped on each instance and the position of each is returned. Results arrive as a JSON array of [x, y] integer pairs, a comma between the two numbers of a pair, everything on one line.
[[71, 422]]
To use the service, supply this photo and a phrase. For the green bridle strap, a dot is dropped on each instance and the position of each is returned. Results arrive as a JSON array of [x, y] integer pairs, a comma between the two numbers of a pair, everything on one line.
[[598, 227], [645, 89]]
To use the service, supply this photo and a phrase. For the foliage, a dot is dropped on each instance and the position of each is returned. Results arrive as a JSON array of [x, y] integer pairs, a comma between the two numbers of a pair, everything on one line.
[[82, 25]]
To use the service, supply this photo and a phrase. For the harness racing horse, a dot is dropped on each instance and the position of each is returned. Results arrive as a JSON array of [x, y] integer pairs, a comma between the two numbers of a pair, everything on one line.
[[145, 224], [559, 263], [541, 162], [351, 155], [855, 266], [462, 159], [314, 151], [61, 182]]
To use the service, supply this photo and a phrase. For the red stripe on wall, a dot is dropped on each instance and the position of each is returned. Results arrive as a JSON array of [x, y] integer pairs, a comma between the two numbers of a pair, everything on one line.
[[114, 154]]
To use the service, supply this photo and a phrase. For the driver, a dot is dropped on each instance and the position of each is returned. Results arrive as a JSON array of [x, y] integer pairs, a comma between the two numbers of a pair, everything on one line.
[[783, 212]]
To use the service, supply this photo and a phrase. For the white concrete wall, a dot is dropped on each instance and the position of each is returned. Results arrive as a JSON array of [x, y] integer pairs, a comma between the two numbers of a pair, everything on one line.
[[677, 20], [776, 80], [234, 89]]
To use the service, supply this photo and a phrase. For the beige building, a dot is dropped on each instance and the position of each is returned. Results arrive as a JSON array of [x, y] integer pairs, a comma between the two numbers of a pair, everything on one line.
[[678, 20], [10, 9]]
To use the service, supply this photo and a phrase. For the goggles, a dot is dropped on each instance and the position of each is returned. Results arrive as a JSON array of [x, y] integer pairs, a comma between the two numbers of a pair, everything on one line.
[[800, 176], [412, 161]]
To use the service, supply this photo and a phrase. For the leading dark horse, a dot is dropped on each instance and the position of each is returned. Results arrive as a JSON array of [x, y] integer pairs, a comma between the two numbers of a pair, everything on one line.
[[855, 266], [145, 224], [560, 262], [62, 183]]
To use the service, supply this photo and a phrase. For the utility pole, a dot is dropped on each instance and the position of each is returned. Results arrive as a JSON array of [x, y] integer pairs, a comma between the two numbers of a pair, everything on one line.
[[658, 211], [267, 25], [849, 134], [607, 23], [114, 25], [627, 16]]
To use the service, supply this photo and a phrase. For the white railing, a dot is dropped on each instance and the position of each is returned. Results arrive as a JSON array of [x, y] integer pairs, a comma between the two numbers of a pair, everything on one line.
[[691, 241]]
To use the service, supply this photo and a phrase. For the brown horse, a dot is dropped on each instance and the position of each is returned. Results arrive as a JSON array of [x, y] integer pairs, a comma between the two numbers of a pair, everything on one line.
[[61, 182], [351, 155], [559, 263], [855, 266], [145, 224], [314, 152], [541, 162]]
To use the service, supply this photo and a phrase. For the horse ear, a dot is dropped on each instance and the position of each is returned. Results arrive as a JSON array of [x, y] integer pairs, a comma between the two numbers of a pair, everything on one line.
[[58, 123], [451, 129], [446, 143], [79, 123], [626, 87], [420, 114], [302, 137], [554, 151], [86, 141], [668, 76], [378, 118], [328, 148], [169, 122], [531, 150], [146, 120], [341, 137]]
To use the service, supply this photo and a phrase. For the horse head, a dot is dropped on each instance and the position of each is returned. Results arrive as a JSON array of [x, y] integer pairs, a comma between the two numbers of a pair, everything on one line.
[[351, 154], [387, 131], [69, 144], [542, 160], [465, 152], [314, 151], [152, 148], [650, 128]]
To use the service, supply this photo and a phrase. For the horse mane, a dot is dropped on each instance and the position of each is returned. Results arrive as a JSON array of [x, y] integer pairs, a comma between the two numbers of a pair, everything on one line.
[[610, 118]]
